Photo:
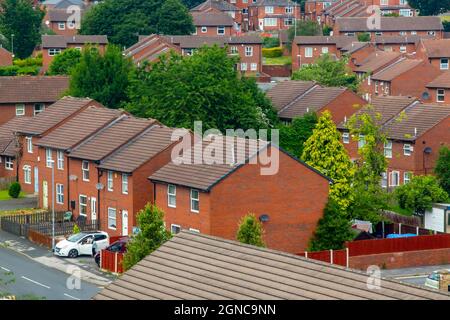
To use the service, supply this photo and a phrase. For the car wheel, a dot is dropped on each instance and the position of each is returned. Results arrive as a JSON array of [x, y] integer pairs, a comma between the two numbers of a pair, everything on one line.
[[73, 253]]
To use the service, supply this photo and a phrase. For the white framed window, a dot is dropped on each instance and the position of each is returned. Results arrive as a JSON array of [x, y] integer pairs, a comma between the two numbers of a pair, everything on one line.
[[270, 22], [112, 218], [234, 50], [289, 10], [384, 180], [440, 95], [243, 66], [324, 50], [110, 181], [269, 9], [308, 52], [60, 160], [384, 2], [59, 193], [83, 205], [221, 30], [388, 48], [376, 87], [402, 33], [61, 25], [346, 137], [29, 141], [54, 51], [48, 158], [188, 52], [444, 64], [124, 183], [388, 149], [20, 109], [413, 33], [204, 29], [407, 177], [9, 164], [194, 230], [350, 34], [403, 2], [431, 33], [175, 228], [172, 196], [195, 200], [254, 67], [378, 33], [27, 174], [407, 149], [85, 170], [38, 108], [402, 49], [394, 178], [288, 22], [248, 51], [361, 141]]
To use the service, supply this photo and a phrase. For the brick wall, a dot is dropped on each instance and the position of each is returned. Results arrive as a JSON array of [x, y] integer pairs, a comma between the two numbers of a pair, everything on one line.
[[277, 71], [345, 105], [211, 31], [299, 58]]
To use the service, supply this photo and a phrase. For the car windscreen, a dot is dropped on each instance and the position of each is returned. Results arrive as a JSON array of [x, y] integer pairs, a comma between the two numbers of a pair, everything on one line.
[[75, 237]]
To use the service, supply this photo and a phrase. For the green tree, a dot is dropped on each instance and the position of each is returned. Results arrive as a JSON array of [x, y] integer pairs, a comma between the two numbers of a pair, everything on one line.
[[14, 190], [204, 87], [174, 18], [124, 20], [420, 193], [250, 231], [369, 196], [364, 37], [103, 77], [442, 169], [324, 151], [304, 28], [63, 63], [151, 236], [326, 30], [333, 229], [192, 3], [430, 7], [328, 72], [294, 135], [21, 19], [446, 25]]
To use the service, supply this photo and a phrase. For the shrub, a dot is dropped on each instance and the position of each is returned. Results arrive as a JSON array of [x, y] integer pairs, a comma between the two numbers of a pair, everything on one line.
[[364, 37], [28, 71], [76, 229], [272, 52], [250, 231], [9, 71], [14, 190], [271, 42]]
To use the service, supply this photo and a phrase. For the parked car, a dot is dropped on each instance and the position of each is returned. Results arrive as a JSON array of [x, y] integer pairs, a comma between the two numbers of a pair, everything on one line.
[[433, 280], [119, 246], [81, 244]]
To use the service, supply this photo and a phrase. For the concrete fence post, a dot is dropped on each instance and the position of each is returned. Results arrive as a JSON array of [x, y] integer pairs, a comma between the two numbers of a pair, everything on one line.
[[399, 228], [417, 230], [115, 263], [347, 257], [331, 256], [306, 254], [101, 260]]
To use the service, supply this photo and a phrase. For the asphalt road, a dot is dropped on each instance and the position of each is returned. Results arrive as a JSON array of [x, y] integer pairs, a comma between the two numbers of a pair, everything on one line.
[[33, 280]]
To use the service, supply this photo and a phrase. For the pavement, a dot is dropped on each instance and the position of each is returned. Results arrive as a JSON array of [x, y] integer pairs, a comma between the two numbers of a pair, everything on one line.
[[32, 256], [415, 275], [29, 201]]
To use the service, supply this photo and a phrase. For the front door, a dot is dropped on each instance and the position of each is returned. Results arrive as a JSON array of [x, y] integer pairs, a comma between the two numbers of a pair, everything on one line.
[[45, 194], [93, 209], [124, 222], [36, 180]]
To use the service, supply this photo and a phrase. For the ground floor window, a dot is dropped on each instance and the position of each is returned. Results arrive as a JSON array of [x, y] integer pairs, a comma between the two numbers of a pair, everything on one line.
[[27, 174], [59, 193], [175, 228], [9, 165], [83, 205], [112, 218]]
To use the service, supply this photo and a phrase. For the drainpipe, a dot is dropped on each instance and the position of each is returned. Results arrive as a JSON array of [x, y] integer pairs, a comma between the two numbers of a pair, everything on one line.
[[68, 182], [99, 175]]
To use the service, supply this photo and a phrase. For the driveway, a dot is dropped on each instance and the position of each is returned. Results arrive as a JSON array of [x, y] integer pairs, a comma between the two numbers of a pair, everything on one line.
[[27, 202], [416, 275]]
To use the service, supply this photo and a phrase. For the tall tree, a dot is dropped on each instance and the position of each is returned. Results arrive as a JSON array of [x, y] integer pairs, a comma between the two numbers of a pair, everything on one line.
[[442, 169], [250, 231], [430, 7], [192, 3], [294, 135], [151, 236], [324, 151], [63, 63], [333, 229], [204, 87], [20, 24], [328, 72], [124, 20], [303, 28], [174, 18], [103, 77]]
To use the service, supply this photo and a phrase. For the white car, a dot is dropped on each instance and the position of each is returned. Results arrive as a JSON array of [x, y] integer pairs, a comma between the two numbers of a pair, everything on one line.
[[81, 244], [433, 280]]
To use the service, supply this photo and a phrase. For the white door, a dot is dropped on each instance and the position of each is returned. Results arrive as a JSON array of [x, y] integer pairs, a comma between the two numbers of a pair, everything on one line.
[[93, 209], [36, 180], [45, 194], [261, 24], [124, 222]]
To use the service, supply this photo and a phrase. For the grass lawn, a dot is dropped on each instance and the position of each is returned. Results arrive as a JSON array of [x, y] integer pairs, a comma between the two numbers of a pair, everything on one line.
[[396, 208], [278, 61], [5, 196]]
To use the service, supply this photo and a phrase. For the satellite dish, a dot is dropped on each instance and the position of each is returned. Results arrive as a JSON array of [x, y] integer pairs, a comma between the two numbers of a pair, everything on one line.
[[73, 177], [264, 218], [99, 186], [425, 96]]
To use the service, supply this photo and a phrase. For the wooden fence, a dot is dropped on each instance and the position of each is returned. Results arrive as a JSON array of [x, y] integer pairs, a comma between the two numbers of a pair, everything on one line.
[[111, 261], [62, 228], [404, 220]]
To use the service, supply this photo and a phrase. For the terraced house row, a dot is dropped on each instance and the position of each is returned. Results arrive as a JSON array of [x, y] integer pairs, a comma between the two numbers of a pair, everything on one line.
[[104, 165]]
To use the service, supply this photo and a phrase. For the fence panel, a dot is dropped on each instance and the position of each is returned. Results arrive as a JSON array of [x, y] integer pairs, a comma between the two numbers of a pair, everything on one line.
[[111, 261]]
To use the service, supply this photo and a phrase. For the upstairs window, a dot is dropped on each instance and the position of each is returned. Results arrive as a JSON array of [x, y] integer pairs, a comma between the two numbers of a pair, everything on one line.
[[407, 149], [308, 52], [388, 149], [221, 30], [269, 9], [20, 109], [85, 170], [48, 158], [440, 95], [361, 141], [110, 181], [248, 51], [38, 108], [61, 25], [444, 64], [346, 137], [172, 196], [195, 200], [124, 183], [204, 29], [29, 141], [54, 51], [60, 160]]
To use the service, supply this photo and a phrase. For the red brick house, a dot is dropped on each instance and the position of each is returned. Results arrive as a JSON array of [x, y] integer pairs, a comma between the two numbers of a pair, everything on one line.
[[403, 44], [295, 98], [6, 58], [224, 7], [31, 163], [53, 45], [213, 24], [439, 89], [57, 20], [306, 49], [391, 26], [29, 95], [437, 52], [212, 198], [150, 48], [407, 77], [272, 15], [315, 8]]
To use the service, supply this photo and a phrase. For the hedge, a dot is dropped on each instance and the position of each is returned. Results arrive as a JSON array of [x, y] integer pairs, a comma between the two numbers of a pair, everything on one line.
[[272, 52]]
